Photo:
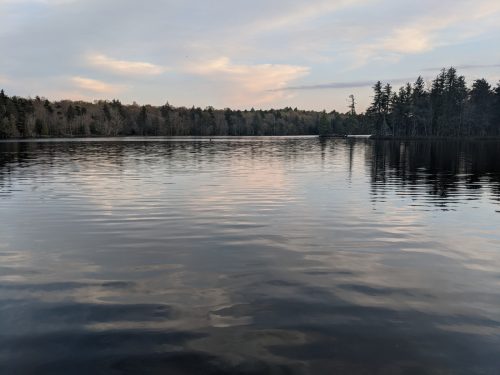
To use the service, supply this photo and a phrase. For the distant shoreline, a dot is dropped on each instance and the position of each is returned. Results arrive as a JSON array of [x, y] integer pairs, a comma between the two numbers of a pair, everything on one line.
[[228, 137], [447, 109]]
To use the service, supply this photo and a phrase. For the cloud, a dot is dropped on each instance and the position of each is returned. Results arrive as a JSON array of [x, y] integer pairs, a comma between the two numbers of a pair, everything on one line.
[[343, 85], [249, 84], [45, 2], [336, 43], [123, 66], [408, 40], [298, 15], [447, 24], [94, 85], [467, 67]]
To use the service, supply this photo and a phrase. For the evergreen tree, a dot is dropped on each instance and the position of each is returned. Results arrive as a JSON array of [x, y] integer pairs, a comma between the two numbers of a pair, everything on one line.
[[495, 129], [421, 108], [323, 125], [165, 112], [352, 105], [376, 110], [481, 102], [437, 104]]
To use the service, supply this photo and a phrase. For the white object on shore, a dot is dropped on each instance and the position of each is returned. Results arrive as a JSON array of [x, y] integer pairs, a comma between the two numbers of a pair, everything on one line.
[[359, 136]]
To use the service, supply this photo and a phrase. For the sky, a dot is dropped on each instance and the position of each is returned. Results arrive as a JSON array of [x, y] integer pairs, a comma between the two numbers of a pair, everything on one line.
[[310, 54]]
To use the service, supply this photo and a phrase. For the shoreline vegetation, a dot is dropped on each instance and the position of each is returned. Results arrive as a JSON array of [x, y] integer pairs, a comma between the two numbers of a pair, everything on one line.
[[445, 108]]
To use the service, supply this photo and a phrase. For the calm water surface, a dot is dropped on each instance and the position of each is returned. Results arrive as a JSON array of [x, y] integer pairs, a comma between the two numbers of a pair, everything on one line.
[[249, 256]]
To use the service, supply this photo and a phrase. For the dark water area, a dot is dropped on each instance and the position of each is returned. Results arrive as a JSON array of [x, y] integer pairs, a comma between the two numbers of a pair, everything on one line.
[[249, 256]]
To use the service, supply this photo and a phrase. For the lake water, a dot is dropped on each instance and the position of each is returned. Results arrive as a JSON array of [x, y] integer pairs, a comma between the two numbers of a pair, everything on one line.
[[249, 256]]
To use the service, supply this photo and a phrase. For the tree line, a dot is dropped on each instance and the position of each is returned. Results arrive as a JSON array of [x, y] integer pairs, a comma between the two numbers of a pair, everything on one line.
[[445, 107]]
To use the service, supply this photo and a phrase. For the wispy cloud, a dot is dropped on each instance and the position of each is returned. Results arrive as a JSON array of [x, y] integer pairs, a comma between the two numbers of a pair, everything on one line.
[[447, 24], [54, 2], [123, 66], [96, 86], [466, 67], [343, 85], [249, 83], [293, 16]]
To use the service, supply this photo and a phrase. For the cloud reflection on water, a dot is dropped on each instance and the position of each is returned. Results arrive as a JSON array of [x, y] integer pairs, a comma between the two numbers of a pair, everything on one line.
[[249, 256]]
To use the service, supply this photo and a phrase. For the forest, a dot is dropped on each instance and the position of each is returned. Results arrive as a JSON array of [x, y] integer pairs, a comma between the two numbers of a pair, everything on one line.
[[443, 107]]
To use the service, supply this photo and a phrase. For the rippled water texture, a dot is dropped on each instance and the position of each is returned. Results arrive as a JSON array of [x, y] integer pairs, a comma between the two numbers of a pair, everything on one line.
[[249, 256]]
